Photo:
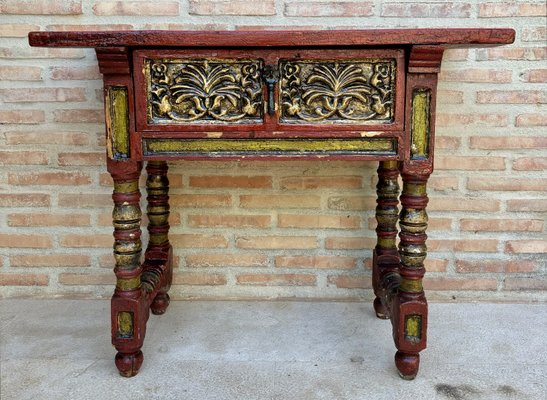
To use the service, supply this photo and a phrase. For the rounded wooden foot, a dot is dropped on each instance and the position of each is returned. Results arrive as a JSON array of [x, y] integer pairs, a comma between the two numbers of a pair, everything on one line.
[[160, 303], [407, 364], [129, 363], [381, 311]]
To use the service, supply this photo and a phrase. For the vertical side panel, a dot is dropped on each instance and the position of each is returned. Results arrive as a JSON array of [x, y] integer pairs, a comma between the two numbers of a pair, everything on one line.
[[420, 124], [117, 123]]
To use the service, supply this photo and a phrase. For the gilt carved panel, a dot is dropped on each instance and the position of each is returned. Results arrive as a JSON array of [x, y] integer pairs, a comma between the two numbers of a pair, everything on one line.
[[337, 91], [204, 91]]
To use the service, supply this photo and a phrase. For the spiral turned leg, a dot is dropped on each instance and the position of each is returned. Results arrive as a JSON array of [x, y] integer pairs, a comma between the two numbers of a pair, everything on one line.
[[409, 307], [385, 263], [129, 303]]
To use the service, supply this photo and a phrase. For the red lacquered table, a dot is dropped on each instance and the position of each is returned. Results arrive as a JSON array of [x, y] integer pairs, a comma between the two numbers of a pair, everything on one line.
[[360, 94]]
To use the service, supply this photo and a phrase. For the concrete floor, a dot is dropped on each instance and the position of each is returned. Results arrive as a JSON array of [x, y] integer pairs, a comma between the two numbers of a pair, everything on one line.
[[60, 349]]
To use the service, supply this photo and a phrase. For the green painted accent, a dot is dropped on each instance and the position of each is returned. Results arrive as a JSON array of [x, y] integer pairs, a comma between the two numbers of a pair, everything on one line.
[[413, 328], [125, 324], [421, 110], [118, 122], [295, 146]]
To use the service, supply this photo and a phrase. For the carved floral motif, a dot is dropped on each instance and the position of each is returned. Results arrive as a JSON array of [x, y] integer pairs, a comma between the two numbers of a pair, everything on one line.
[[337, 91], [205, 91]]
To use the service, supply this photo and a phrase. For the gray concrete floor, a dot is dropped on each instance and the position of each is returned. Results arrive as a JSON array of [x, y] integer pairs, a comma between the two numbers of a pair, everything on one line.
[[60, 349]]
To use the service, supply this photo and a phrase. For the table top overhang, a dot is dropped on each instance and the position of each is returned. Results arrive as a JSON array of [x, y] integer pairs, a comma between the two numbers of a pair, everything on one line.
[[300, 38]]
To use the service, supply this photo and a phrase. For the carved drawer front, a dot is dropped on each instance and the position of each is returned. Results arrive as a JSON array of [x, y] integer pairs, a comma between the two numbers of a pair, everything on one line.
[[337, 91], [204, 91]]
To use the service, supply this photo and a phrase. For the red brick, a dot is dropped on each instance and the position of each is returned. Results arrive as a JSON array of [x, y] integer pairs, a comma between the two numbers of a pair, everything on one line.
[[531, 120], [166, 26], [464, 245], [85, 200], [189, 241], [318, 221], [37, 52], [469, 163], [243, 182], [494, 120], [25, 241], [534, 75], [194, 279], [456, 55], [229, 221], [522, 284], [48, 178], [33, 95], [534, 34], [501, 225], [200, 200], [435, 265], [276, 242], [511, 53], [22, 117], [467, 204], [530, 164], [350, 281], [233, 7], [87, 279], [215, 260], [321, 182], [328, 8], [65, 159], [282, 27], [446, 283], [349, 243], [449, 97], [136, 8], [24, 280], [494, 266], [322, 262], [512, 97], [276, 279], [526, 246], [511, 9], [90, 28], [507, 142], [20, 73], [439, 182], [477, 75], [78, 115], [90, 240], [527, 205], [46, 137], [17, 30], [41, 7], [23, 158], [75, 73], [24, 200], [507, 184], [50, 260], [277, 201], [49, 219], [427, 10], [354, 203]]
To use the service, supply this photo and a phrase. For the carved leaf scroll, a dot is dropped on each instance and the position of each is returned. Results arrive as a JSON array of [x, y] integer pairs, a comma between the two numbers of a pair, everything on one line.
[[337, 91], [204, 91]]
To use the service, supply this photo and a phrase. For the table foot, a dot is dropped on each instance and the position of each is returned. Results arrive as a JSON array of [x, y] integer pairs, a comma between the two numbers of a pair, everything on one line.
[[159, 304], [128, 364], [381, 310], [407, 364]]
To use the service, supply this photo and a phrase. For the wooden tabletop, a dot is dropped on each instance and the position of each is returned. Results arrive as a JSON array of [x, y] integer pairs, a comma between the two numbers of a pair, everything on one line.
[[306, 38]]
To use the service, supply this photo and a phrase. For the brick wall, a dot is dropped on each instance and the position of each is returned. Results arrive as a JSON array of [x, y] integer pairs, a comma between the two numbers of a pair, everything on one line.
[[275, 229]]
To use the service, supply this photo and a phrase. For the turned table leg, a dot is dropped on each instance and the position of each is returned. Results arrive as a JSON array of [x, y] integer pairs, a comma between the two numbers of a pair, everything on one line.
[[129, 303], [385, 262], [158, 268], [409, 307]]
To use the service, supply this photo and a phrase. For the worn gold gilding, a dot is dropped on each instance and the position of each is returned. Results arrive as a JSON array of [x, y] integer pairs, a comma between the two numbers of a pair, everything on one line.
[[117, 122], [128, 284], [126, 187], [411, 285], [125, 324], [415, 189], [386, 243], [421, 105], [263, 145]]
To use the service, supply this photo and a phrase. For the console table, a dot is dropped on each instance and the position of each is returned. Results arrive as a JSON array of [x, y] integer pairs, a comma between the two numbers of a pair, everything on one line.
[[359, 94]]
